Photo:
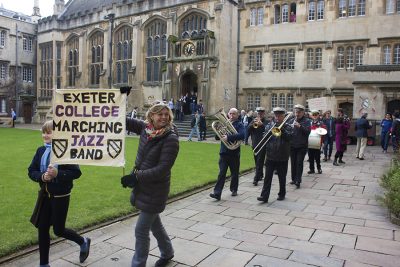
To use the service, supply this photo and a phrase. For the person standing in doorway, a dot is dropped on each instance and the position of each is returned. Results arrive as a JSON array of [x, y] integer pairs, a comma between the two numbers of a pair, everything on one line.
[[299, 144], [229, 158], [361, 127]]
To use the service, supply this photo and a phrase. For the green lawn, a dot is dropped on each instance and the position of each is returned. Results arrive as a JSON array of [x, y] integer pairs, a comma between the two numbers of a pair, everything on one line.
[[97, 195]]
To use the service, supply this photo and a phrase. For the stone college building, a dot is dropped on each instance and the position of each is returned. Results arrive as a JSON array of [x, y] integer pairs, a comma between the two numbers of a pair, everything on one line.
[[230, 53]]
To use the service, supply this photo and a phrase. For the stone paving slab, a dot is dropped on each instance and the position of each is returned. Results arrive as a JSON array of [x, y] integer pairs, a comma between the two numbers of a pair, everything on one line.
[[332, 220]]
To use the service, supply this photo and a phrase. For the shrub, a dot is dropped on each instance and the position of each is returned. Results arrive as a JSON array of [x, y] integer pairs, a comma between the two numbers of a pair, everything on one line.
[[391, 182]]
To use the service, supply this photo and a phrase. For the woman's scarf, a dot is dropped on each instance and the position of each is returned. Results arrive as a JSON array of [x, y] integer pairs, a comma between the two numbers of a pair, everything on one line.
[[153, 133], [45, 161]]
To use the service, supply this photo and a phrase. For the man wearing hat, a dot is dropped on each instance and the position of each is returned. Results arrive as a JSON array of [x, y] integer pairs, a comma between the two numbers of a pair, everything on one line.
[[299, 144], [314, 154], [256, 131], [277, 153], [362, 126]]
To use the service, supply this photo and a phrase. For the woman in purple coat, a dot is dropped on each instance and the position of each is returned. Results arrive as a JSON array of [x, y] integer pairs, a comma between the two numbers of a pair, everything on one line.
[[342, 127]]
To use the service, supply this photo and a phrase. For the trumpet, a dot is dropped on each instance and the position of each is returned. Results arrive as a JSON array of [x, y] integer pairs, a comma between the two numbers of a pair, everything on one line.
[[274, 131], [256, 122]]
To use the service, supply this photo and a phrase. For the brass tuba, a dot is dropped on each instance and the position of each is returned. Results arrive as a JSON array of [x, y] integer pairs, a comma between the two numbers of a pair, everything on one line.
[[223, 126]]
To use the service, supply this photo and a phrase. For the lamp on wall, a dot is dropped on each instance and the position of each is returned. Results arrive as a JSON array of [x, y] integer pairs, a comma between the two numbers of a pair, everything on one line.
[[110, 17]]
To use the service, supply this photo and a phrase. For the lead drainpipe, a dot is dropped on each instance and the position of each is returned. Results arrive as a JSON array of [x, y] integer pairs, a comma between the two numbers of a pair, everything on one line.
[[16, 69], [237, 58]]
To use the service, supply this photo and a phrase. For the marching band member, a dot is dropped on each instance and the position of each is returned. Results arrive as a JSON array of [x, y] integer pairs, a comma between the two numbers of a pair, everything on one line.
[[314, 154], [277, 153], [256, 131], [229, 158], [299, 144], [329, 122]]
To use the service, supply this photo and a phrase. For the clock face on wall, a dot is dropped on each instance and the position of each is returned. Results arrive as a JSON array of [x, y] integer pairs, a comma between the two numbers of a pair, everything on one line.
[[188, 49]]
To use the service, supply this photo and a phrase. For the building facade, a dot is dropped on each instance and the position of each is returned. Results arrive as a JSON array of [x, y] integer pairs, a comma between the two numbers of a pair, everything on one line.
[[348, 50], [163, 49], [17, 64]]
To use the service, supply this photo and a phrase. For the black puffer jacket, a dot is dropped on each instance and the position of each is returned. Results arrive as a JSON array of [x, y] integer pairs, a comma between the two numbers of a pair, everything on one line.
[[154, 161], [278, 148]]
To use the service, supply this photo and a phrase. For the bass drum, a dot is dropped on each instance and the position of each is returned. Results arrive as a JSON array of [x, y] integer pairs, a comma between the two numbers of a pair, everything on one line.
[[314, 140]]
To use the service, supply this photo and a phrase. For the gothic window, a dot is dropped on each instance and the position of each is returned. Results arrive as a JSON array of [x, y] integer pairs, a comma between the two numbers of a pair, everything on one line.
[[291, 59], [391, 54], [3, 34], [27, 43], [253, 16], [349, 57], [392, 6], [386, 55], [257, 101], [123, 40], [359, 55], [285, 13], [192, 22], [320, 9], [250, 102], [310, 58], [251, 61], [3, 70], [283, 59], [73, 60], [259, 60], [396, 54], [46, 68], [351, 8], [260, 16], [311, 10], [289, 102], [157, 45], [340, 58], [277, 13], [27, 74], [282, 100], [275, 60], [96, 65], [274, 100]]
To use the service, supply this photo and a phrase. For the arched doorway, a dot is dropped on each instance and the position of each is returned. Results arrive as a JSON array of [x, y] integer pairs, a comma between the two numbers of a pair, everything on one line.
[[189, 89], [393, 106], [347, 108]]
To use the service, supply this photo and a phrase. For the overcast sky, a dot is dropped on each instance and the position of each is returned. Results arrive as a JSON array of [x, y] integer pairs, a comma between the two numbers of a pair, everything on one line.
[[26, 6]]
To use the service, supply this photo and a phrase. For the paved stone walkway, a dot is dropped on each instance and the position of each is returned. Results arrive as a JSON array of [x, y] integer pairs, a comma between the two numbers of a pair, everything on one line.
[[333, 220]]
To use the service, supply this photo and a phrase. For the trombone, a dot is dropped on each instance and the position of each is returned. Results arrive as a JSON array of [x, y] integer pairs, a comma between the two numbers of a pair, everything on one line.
[[274, 131]]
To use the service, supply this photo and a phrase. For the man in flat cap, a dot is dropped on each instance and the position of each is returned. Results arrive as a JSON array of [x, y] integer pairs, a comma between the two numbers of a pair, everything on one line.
[[256, 131], [314, 149], [277, 153], [299, 144]]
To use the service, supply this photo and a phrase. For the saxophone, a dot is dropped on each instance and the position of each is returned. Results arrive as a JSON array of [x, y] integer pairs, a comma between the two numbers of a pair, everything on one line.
[[223, 126]]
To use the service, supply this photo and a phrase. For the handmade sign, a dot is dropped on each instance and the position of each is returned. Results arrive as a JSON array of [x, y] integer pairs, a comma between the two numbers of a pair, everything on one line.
[[89, 127]]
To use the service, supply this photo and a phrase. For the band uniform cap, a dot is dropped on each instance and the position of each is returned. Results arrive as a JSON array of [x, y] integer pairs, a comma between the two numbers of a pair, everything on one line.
[[260, 109], [279, 110], [298, 106], [314, 112]]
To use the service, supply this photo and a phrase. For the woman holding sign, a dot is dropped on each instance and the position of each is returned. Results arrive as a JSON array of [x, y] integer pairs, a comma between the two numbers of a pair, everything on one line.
[[150, 180], [53, 200]]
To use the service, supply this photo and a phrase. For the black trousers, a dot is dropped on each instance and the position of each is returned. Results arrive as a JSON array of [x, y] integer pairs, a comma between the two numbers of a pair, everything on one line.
[[203, 134], [54, 212], [270, 167], [259, 161], [314, 155], [225, 161], [297, 160]]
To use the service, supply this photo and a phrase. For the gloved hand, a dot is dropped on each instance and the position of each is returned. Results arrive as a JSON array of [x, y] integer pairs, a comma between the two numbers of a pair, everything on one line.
[[129, 180]]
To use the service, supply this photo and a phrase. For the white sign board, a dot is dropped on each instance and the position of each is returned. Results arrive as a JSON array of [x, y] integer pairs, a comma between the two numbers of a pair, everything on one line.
[[89, 127], [320, 103]]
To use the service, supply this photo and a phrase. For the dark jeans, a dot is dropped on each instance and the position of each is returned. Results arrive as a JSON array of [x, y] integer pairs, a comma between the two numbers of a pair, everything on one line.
[[296, 160], [395, 143], [202, 134], [259, 161], [225, 161], [314, 155], [270, 167], [54, 212], [145, 223], [385, 140], [328, 145]]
